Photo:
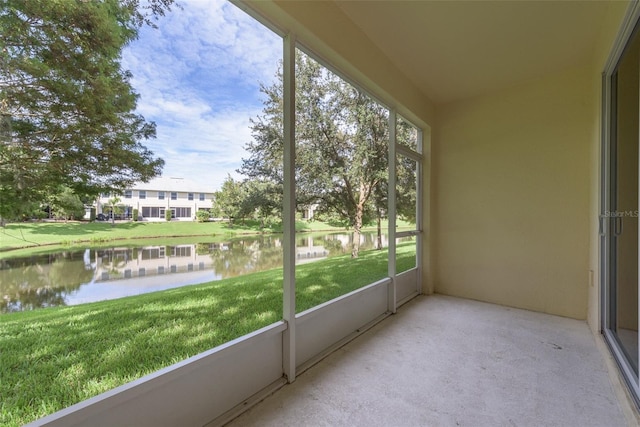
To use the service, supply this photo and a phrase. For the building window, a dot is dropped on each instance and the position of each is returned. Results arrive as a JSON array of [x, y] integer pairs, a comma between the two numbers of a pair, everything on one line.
[[127, 194], [202, 197], [142, 194], [183, 212], [174, 195], [190, 197], [151, 212], [181, 251], [107, 194], [160, 195]]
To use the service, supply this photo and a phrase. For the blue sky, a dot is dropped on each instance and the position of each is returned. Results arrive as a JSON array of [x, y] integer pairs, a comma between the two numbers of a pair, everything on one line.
[[198, 77]]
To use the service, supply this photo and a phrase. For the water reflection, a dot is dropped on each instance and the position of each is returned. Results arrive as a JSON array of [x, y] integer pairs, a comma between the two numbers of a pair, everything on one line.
[[77, 277]]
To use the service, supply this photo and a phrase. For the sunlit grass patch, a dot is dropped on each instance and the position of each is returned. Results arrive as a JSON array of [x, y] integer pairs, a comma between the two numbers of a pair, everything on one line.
[[55, 357]]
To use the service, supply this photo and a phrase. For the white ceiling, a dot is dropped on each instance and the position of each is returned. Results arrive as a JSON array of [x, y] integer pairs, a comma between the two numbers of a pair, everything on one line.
[[457, 49]]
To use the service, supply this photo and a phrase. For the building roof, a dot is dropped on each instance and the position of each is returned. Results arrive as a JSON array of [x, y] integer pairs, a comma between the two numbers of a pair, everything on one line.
[[173, 184]]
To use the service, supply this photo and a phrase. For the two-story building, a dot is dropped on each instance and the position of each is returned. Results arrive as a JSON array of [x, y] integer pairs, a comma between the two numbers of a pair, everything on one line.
[[152, 199]]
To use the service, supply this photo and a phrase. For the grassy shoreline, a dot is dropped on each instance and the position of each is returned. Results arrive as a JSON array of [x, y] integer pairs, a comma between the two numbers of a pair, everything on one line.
[[26, 239], [52, 358], [34, 234]]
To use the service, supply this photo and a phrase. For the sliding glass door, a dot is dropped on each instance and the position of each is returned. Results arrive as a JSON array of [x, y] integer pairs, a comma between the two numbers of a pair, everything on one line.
[[619, 219]]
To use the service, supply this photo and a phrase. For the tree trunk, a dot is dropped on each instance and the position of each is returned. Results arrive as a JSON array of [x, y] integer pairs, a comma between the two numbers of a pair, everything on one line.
[[355, 248], [357, 227], [357, 231], [379, 230]]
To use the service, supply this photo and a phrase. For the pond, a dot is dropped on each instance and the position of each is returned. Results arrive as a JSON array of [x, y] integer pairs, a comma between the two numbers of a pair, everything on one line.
[[72, 277]]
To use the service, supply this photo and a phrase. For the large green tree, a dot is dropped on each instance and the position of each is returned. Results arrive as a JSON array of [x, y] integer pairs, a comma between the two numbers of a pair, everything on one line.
[[342, 138], [66, 204], [67, 107], [263, 200], [230, 199], [406, 173]]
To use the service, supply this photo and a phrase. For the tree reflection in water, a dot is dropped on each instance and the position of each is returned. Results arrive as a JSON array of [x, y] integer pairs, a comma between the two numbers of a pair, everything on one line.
[[40, 282], [57, 279]]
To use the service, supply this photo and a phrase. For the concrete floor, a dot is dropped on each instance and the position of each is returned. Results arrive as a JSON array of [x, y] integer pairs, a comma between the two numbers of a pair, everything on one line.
[[444, 361]]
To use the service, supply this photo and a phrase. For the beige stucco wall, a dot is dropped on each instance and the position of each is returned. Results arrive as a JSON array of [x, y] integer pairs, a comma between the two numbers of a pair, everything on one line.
[[516, 191], [511, 188]]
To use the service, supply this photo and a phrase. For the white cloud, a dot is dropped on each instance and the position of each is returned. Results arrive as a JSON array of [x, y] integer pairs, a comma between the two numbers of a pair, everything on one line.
[[205, 148], [198, 78]]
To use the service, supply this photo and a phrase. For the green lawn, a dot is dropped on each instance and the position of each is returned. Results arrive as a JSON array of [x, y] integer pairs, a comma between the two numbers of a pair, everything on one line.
[[52, 358], [23, 239], [21, 235]]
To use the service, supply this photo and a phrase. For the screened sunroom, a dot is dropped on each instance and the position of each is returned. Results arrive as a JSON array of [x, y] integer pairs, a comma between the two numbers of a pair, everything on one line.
[[516, 127]]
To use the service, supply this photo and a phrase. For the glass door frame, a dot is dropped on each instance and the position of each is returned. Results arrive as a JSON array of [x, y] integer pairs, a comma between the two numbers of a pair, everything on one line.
[[397, 150], [606, 219]]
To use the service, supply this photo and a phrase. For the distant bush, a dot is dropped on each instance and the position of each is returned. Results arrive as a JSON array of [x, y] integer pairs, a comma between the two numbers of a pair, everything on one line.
[[39, 214], [202, 215], [135, 214], [167, 214]]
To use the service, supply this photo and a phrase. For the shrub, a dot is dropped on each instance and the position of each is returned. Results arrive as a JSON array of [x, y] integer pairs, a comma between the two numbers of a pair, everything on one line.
[[202, 215], [167, 214], [135, 214], [39, 214]]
